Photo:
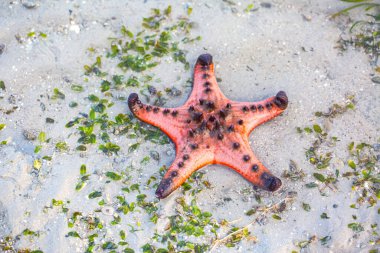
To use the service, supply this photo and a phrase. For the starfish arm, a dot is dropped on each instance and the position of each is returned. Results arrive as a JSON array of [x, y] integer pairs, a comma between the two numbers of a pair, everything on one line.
[[186, 162], [251, 114], [205, 86], [239, 156], [170, 120]]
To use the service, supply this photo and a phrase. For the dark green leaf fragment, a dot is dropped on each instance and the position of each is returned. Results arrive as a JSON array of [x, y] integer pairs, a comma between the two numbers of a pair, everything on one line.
[[62, 146], [77, 88], [105, 86], [249, 8], [324, 216], [81, 148], [317, 129], [168, 10], [251, 212], [325, 240], [2, 85], [308, 130], [95, 194], [135, 187], [133, 147], [73, 234], [57, 94], [83, 169], [93, 98], [28, 232], [109, 245], [147, 248], [122, 234], [109, 148], [113, 175], [319, 177], [352, 164], [73, 104], [306, 207], [80, 185], [126, 32], [356, 227]]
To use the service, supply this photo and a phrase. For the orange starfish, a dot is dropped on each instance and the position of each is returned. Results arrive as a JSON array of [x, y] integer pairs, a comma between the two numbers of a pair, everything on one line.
[[211, 129]]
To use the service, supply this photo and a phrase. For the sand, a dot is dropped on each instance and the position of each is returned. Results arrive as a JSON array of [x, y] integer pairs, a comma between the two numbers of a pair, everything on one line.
[[290, 46]]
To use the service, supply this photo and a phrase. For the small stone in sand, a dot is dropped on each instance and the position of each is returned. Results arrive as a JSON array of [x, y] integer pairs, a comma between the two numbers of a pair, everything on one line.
[[12, 99], [49, 120], [4, 221], [30, 135], [152, 90], [266, 5], [376, 79], [169, 152], [29, 4], [174, 92], [2, 48], [108, 210], [155, 155]]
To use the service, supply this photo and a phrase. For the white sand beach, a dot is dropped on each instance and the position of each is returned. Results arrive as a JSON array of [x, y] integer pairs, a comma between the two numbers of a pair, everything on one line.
[[258, 50]]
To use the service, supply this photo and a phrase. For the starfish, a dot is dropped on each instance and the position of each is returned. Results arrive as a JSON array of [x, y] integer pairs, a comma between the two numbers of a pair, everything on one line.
[[211, 129]]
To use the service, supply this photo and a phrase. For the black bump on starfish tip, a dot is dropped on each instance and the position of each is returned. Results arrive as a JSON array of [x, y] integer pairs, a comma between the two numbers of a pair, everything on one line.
[[164, 185], [132, 100], [270, 183], [205, 59], [281, 100]]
